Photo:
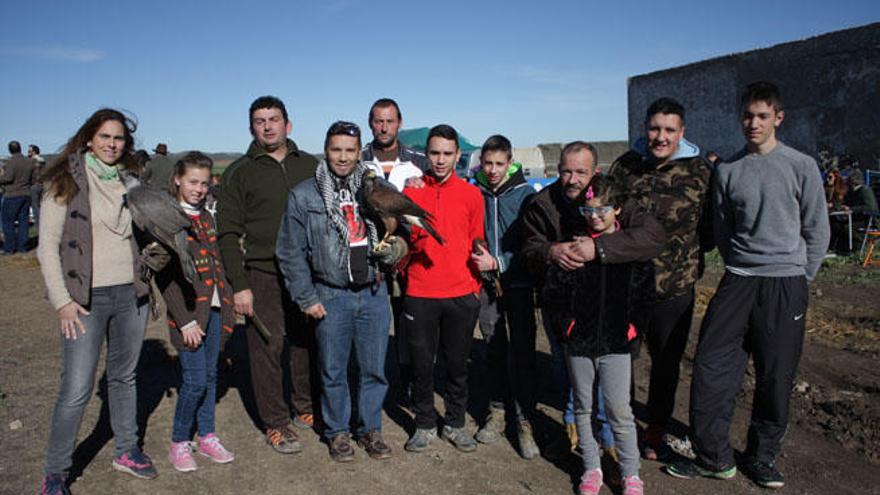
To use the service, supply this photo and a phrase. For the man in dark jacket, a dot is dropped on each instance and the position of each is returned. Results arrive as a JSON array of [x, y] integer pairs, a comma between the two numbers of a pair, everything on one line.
[[507, 310], [670, 180], [37, 185], [251, 205], [18, 178], [551, 222]]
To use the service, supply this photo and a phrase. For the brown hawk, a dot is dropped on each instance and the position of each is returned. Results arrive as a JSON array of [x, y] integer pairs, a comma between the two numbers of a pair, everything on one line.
[[381, 199]]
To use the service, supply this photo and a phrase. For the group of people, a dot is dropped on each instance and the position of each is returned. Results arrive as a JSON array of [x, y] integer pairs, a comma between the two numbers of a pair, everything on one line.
[[21, 189], [300, 248], [851, 203]]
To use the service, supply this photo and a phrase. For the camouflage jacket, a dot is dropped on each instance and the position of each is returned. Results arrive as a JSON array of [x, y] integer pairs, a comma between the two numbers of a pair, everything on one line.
[[677, 194]]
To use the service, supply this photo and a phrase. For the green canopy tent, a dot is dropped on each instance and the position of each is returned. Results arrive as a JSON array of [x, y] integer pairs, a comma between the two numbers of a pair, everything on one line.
[[416, 139]]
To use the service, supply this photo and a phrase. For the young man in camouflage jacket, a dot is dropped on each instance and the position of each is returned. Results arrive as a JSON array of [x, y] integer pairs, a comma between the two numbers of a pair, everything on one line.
[[668, 179]]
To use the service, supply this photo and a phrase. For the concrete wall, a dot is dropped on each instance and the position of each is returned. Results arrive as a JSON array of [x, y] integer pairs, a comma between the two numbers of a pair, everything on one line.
[[830, 88], [608, 152]]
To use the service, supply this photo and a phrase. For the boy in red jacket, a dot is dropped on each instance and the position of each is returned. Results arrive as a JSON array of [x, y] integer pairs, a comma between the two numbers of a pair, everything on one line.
[[443, 286]]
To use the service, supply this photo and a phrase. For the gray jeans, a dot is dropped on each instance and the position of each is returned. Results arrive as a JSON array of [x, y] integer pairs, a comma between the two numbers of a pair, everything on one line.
[[115, 315], [614, 372]]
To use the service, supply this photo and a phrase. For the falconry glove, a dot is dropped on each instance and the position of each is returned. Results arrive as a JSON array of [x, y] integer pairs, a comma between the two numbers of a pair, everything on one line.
[[392, 252]]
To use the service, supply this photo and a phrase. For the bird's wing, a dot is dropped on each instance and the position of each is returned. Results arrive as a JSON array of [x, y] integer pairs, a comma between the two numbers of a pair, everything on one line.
[[386, 198], [154, 211]]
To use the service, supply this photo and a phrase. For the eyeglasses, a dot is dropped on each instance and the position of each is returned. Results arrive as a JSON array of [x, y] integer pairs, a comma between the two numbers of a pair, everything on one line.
[[346, 128], [601, 211]]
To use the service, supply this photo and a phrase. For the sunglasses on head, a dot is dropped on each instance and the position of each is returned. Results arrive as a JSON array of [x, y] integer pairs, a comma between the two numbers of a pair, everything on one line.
[[344, 128]]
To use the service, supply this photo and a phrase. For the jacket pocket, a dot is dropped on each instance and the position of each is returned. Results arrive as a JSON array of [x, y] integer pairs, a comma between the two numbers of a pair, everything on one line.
[[317, 232]]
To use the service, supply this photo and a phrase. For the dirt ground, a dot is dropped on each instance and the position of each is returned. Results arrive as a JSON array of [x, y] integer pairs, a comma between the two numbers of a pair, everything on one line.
[[833, 444]]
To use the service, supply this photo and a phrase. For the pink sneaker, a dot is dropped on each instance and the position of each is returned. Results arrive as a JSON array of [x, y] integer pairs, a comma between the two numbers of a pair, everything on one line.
[[210, 446], [591, 482], [181, 457], [633, 485]]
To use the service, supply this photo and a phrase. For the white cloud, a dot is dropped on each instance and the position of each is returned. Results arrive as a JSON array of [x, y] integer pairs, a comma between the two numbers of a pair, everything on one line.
[[56, 52]]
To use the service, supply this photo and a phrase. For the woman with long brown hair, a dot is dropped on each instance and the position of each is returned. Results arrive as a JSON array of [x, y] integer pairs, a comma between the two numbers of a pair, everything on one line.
[[97, 283]]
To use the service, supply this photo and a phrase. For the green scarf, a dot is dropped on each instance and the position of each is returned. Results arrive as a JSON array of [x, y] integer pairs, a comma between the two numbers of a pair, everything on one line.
[[105, 172]]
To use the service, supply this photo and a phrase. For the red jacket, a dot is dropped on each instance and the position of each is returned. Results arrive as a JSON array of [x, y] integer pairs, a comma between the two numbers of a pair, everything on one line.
[[440, 272]]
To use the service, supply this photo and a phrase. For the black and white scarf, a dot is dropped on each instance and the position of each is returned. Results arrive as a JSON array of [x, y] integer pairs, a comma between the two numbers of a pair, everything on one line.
[[328, 184]]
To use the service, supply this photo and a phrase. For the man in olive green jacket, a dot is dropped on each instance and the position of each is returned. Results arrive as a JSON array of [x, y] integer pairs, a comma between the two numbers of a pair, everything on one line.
[[251, 204]]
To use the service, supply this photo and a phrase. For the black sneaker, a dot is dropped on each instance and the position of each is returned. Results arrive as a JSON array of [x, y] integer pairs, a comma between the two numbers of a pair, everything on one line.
[[763, 474], [689, 469]]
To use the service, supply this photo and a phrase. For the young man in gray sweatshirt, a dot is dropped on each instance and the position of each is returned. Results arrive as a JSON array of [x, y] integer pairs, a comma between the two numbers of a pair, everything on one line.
[[771, 226]]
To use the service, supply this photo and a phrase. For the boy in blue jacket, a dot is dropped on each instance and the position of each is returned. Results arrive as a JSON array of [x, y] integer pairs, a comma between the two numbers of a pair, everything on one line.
[[507, 310]]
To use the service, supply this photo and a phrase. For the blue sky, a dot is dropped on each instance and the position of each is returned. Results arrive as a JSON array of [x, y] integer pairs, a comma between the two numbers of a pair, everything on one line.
[[548, 71]]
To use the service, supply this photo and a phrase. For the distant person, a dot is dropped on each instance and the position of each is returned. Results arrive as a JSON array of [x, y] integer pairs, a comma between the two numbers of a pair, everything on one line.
[[37, 186], [771, 224], [326, 251], [397, 163], [670, 180], [199, 314], [507, 307], [443, 292], [601, 306], [18, 177], [159, 169], [141, 158], [860, 199], [836, 191], [95, 282], [251, 206]]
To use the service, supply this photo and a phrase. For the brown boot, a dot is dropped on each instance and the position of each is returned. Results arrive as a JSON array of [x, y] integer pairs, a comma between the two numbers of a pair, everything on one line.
[[493, 430], [340, 448], [375, 445], [572, 432]]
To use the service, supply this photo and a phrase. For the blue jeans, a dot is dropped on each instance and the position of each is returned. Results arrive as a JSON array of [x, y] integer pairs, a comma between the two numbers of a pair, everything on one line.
[[358, 318], [118, 317], [15, 210], [198, 387]]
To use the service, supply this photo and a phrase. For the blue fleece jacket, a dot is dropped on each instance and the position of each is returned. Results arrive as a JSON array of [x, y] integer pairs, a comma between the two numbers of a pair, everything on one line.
[[503, 226]]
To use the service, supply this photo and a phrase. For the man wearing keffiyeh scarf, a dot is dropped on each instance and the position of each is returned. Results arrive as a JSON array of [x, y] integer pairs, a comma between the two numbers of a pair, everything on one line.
[[323, 249], [330, 185]]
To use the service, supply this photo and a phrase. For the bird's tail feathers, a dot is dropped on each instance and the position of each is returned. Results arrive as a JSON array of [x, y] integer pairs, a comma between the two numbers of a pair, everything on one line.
[[187, 264], [427, 224]]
